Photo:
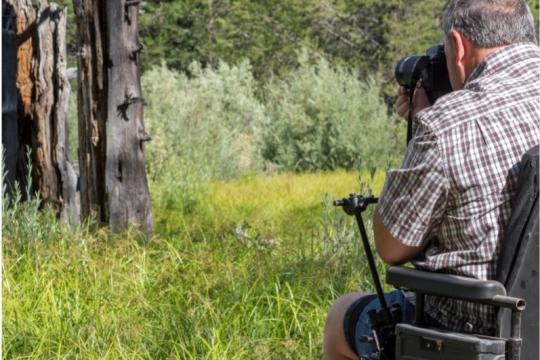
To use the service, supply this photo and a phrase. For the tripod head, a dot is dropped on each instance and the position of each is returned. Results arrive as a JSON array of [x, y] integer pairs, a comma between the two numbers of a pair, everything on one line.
[[355, 204]]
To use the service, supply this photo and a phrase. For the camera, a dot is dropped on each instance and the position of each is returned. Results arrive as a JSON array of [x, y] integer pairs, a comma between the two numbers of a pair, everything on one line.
[[430, 68]]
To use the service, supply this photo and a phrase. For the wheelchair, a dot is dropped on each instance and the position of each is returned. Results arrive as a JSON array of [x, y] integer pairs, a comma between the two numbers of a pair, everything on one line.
[[514, 294]]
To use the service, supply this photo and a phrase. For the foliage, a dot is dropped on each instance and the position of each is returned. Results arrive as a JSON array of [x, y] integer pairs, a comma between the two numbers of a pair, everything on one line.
[[25, 219], [208, 31], [208, 119], [213, 126], [321, 117], [368, 35], [268, 34], [199, 290]]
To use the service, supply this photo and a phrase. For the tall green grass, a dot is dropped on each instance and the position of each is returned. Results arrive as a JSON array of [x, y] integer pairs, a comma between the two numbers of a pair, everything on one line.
[[248, 274]]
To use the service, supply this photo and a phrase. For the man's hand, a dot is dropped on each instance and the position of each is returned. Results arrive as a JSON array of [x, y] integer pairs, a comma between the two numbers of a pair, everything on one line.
[[420, 101]]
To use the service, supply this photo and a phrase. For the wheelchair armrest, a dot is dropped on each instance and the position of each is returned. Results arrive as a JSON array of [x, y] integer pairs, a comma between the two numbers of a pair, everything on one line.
[[445, 285]]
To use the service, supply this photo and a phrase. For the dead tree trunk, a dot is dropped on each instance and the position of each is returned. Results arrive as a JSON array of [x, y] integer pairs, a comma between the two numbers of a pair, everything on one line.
[[43, 94], [112, 136]]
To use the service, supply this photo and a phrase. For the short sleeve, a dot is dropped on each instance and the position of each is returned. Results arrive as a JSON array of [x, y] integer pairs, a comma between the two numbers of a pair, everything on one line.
[[413, 199]]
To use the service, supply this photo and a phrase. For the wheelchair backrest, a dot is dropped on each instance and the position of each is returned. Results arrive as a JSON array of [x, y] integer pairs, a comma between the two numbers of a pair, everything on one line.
[[518, 262]]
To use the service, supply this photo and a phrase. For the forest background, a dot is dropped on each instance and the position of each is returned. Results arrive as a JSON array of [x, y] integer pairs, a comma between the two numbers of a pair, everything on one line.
[[261, 112]]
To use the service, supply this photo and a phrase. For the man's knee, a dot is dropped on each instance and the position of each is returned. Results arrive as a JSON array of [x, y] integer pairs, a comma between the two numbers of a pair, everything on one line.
[[335, 344]]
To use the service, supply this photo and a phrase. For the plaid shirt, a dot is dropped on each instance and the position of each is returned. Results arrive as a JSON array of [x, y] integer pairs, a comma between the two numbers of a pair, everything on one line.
[[454, 187]]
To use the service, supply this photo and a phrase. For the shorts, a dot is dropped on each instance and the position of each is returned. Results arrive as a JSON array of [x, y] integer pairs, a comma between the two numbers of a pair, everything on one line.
[[356, 321]]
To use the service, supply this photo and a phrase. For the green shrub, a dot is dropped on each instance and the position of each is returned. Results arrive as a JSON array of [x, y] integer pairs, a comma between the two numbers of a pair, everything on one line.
[[202, 128], [322, 117], [207, 119], [213, 126]]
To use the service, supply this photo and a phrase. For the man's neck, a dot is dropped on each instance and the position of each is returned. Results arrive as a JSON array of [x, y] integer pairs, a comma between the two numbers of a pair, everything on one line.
[[478, 56]]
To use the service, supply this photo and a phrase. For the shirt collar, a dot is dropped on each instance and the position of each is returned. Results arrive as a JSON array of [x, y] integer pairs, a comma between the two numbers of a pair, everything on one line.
[[501, 58]]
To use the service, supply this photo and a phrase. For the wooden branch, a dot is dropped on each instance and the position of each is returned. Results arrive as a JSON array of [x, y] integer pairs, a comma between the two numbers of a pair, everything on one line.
[[122, 108], [135, 53], [127, 4]]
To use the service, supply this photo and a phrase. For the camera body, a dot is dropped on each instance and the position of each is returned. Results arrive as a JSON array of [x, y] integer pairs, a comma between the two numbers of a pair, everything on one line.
[[430, 68]]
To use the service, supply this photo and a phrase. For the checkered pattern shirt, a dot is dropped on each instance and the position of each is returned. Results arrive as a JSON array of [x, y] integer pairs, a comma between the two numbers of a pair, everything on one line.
[[452, 193]]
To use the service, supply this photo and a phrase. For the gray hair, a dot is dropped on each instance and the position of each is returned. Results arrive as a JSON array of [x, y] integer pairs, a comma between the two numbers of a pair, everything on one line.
[[490, 23]]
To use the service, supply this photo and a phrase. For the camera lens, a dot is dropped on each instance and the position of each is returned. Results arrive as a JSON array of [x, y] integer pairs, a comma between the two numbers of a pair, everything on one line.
[[431, 68], [409, 69]]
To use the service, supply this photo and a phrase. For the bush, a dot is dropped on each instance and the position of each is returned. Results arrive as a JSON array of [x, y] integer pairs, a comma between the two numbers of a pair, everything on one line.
[[207, 119], [202, 128], [322, 117]]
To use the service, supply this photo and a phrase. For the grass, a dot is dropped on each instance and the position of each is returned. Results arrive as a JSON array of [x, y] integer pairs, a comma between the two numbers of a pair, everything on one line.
[[247, 273]]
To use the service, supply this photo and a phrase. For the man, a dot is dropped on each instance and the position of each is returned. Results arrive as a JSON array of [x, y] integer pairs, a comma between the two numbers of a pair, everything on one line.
[[446, 208]]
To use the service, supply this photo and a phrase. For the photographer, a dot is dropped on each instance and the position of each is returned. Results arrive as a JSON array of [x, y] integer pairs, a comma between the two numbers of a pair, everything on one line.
[[446, 208]]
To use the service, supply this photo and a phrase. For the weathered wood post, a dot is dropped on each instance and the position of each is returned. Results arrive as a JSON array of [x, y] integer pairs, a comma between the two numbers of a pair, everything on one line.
[[126, 183], [114, 186], [43, 94]]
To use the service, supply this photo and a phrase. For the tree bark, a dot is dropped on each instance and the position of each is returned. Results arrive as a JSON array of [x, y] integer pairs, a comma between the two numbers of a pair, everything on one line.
[[92, 107], [43, 94], [111, 127], [25, 24]]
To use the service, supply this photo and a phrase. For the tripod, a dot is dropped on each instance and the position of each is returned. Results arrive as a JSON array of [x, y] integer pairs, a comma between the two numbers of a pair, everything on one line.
[[382, 321]]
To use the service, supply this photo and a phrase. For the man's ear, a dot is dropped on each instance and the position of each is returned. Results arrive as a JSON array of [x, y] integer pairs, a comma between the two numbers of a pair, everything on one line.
[[462, 48]]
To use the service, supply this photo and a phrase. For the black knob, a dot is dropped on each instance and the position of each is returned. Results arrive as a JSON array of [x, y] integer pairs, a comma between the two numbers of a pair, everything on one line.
[[339, 202]]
